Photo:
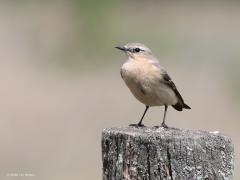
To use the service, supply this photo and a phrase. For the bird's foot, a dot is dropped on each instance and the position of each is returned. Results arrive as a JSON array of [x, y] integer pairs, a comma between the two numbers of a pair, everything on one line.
[[164, 125], [137, 125]]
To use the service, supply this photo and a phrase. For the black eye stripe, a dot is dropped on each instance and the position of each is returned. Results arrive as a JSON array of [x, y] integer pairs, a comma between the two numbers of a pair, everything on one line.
[[136, 50]]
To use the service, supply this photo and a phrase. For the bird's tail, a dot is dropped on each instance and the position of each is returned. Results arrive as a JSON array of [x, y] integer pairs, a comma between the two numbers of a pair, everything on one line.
[[185, 106], [180, 106]]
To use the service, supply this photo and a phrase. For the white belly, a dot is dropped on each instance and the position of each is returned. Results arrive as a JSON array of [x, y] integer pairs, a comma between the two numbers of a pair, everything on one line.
[[146, 86], [153, 95]]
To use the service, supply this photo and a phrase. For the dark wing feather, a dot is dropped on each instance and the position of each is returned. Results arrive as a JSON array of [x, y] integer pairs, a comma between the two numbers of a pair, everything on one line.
[[171, 84], [180, 105]]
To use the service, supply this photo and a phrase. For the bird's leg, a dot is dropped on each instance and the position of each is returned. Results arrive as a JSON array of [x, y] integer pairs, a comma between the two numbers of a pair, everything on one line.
[[164, 117], [140, 122]]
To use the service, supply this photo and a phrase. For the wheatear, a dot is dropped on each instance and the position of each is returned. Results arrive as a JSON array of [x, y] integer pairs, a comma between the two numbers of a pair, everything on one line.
[[148, 80]]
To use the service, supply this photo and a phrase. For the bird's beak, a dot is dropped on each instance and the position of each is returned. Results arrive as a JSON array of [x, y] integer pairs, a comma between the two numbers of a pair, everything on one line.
[[122, 48]]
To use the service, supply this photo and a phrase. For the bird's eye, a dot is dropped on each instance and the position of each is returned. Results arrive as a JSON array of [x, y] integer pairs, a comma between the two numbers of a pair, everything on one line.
[[137, 50]]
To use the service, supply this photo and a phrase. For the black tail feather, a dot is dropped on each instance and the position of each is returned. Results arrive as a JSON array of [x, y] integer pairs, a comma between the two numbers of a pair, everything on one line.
[[185, 106], [180, 107]]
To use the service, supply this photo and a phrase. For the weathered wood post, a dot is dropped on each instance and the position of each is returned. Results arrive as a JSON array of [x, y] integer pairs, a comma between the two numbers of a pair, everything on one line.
[[157, 154]]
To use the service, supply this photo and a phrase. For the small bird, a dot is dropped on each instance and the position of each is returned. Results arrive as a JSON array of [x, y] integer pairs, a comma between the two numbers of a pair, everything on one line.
[[148, 81]]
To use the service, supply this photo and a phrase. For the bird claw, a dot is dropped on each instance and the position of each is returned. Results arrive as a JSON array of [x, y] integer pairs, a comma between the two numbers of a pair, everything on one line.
[[137, 125], [164, 125]]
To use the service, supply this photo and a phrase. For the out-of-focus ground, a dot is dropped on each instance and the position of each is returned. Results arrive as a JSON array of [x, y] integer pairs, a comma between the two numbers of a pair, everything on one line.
[[60, 82]]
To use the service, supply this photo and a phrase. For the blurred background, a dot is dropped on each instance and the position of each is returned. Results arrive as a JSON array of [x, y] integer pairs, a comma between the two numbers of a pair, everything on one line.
[[60, 80]]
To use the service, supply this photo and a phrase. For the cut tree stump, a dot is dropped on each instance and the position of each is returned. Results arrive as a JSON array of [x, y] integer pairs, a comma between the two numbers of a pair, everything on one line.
[[132, 153]]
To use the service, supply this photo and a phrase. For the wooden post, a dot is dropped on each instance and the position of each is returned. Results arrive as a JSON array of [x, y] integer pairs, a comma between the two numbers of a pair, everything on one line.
[[166, 154]]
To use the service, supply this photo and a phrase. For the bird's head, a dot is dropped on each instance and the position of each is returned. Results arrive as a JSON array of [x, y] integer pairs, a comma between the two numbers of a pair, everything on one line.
[[136, 51]]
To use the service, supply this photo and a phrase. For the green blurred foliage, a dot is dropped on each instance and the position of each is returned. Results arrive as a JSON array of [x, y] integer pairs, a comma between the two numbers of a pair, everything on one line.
[[92, 22]]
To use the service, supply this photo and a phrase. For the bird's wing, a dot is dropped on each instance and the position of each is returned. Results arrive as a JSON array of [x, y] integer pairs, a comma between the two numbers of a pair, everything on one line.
[[165, 78], [168, 81]]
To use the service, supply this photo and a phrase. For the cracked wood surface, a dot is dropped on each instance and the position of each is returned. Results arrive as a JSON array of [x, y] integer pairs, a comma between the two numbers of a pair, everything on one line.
[[131, 153]]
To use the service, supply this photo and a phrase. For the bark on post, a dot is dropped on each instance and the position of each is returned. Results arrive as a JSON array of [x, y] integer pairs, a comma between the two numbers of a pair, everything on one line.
[[160, 154]]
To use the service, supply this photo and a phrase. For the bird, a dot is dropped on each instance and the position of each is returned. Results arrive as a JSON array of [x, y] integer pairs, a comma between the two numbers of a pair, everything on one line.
[[148, 81]]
